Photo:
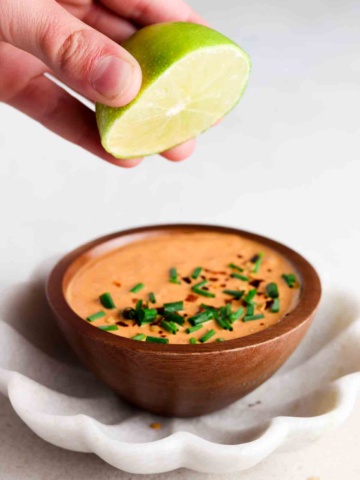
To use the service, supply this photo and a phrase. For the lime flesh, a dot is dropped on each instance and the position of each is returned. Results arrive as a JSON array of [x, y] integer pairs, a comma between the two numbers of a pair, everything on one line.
[[192, 77]]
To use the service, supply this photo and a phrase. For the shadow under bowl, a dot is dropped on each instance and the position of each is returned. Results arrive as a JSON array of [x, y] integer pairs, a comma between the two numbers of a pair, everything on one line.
[[181, 380]]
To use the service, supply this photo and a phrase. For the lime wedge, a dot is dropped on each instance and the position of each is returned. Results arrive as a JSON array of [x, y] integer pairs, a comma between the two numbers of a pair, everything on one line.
[[192, 77]]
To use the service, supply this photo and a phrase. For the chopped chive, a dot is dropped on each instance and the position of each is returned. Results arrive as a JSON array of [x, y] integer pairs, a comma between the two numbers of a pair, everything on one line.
[[222, 316], [250, 309], [108, 328], [250, 296], [193, 329], [197, 289], [173, 276], [249, 318], [220, 339], [235, 267], [192, 340], [137, 287], [157, 340], [207, 336], [129, 313], [258, 261], [106, 300], [195, 274], [201, 317], [170, 327], [240, 277], [95, 316], [152, 297], [224, 324], [139, 336], [237, 294], [173, 307], [272, 290], [236, 315], [138, 305], [146, 315], [176, 318], [275, 307], [290, 279]]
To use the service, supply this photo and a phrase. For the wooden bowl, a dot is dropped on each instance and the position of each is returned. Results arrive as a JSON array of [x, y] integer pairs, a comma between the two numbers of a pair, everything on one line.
[[181, 380]]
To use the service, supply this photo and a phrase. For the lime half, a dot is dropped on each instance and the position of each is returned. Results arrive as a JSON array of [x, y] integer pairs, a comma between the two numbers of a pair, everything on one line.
[[192, 77]]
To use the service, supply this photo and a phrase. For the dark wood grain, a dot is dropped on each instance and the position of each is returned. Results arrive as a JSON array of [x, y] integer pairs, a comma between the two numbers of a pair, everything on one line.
[[181, 380]]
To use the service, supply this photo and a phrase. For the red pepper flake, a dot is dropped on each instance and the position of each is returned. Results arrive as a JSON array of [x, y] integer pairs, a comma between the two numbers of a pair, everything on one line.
[[213, 279], [269, 270], [116, 283], [229, 300], [240, 256], [223, 285], [268, 304], [163, 336], [187, 279], [205, 288], [122, 324], [191, 298], [155, 426], [134, 300], [255, 282]]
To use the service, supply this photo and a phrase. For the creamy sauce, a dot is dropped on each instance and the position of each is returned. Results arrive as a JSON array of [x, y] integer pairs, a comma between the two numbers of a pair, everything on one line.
[[149, 261]]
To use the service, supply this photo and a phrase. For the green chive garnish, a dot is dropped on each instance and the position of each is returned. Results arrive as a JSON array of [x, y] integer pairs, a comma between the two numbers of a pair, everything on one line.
[[138, 305], [272, 290], [174, 317], [220, 340], [193, 329], [237, 314], [275, 306], [235, 267], [108, 328], [250, 296], [157, 340], [224, 324], [196, 273], [237, 294], [192, 340], [250, 310], [258, 261], [173, 307], [95, 316], [240, 277], [201, 317], [197, 289], [137, 287], [249, 318], [290, 279], [146, 315], [207, 336], [139, 336], [152, 297], [106, 300], [173, 276], [169, 326]]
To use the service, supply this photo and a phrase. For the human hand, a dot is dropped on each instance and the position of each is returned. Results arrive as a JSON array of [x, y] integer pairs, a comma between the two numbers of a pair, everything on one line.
[[77, 41]]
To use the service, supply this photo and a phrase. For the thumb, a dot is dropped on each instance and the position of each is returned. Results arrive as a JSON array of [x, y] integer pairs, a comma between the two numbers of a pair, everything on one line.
[[82, 57]]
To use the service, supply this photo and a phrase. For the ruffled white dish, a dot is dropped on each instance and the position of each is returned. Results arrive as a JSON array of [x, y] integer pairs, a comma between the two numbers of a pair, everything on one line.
[[65, 405]]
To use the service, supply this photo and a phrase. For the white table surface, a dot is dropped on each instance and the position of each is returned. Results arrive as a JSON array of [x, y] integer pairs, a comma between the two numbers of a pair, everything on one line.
[[285, 163]]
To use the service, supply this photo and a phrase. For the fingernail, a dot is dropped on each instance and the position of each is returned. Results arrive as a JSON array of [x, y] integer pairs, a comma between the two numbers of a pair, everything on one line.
[[111, 76]]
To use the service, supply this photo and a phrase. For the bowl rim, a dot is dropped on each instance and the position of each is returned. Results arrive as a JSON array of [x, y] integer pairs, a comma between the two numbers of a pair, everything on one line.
[[310, 294]]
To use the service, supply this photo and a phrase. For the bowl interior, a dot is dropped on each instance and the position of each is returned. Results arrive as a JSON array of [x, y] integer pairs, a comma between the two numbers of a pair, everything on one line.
[[65, 270]]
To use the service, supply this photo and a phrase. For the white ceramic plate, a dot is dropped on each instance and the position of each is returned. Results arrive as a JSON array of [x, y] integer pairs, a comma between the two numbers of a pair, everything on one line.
[[65, 405]]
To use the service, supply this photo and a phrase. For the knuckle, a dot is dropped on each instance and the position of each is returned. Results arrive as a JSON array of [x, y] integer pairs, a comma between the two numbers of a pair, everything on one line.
[[73, 49]]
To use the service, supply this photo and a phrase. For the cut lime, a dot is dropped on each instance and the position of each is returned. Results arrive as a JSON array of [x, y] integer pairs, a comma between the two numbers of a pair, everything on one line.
[[192, 77]]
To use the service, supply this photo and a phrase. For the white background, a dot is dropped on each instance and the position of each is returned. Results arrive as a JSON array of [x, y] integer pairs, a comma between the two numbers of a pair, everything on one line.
[[285, 164]]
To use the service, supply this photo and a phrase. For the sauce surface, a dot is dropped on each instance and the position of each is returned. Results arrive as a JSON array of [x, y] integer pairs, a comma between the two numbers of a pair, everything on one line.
[[149, 261]]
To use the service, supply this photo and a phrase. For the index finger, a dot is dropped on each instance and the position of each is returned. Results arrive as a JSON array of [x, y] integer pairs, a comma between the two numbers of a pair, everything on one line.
[[147, 12]]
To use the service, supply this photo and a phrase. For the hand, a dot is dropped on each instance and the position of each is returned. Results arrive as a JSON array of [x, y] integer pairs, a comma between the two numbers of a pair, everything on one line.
[[78, 42]]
